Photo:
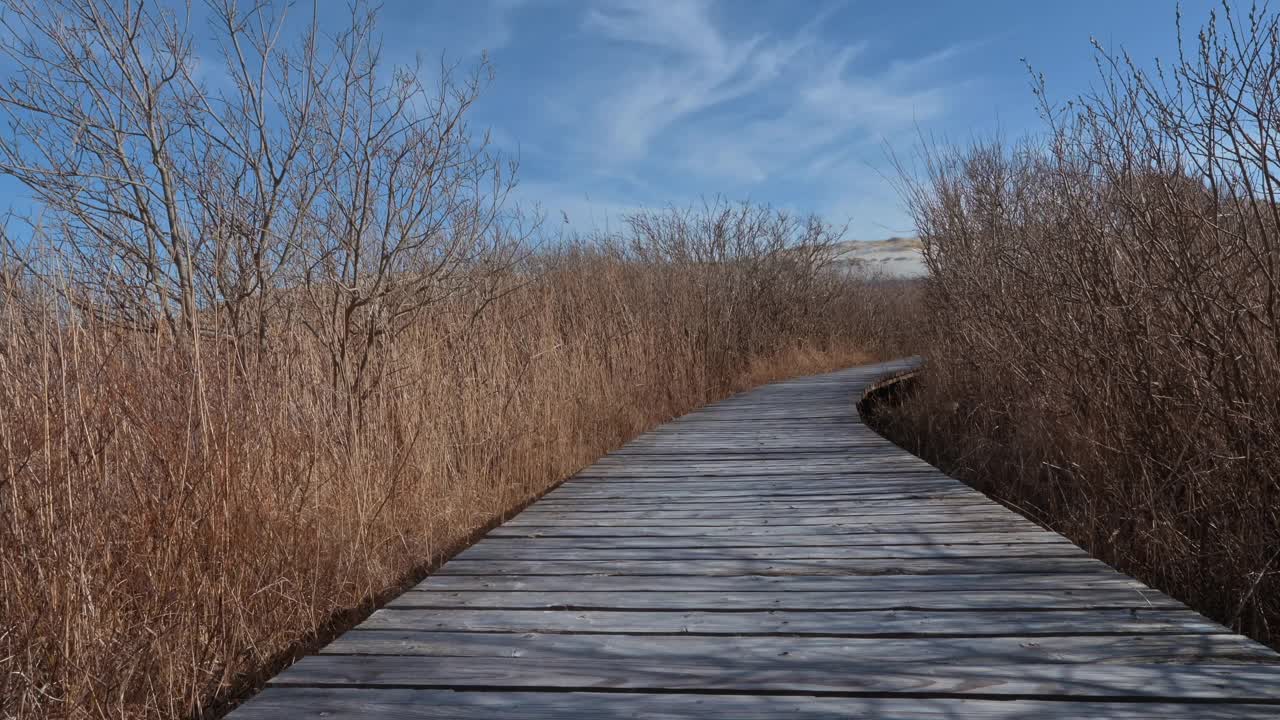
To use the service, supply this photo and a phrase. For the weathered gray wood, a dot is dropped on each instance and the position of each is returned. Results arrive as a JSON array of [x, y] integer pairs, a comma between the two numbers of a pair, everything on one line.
[[766, 506], [784, 520], [847, 487], [913, 526], [1102, 578], [1067, 563], [868, 623], [788, 600], [712, 650], [537, 550], [677, 489], [809, 540], [332, 703], [825, 507], [741, 559], [679, 496], [731, 471], [930, 510], [499, 543], [735, 478], [1243, 683], [855, 482]]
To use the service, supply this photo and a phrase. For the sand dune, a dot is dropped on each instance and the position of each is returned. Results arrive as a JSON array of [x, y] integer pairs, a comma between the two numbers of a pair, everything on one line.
[[895, 256]]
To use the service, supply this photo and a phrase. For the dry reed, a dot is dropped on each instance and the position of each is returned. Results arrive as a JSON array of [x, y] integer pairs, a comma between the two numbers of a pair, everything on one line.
[[1104, 337], [275, 347], [172, 520]]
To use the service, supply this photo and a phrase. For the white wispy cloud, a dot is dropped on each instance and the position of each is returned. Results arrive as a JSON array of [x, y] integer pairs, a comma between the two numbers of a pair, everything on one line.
[[689, 66], [682, 99], [830, 116], [806, 94]]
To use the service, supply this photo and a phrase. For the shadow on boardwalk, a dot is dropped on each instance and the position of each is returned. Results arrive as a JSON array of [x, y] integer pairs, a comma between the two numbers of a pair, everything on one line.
[[770, 556]]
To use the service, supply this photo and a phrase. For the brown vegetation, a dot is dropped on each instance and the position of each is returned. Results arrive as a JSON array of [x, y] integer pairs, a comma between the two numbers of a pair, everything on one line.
[[1105, 321], [171, 519], [272, 350]]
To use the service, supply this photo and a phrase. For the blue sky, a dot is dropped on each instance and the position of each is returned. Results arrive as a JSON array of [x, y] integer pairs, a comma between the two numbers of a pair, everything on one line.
[[626, 103], [620, 104]]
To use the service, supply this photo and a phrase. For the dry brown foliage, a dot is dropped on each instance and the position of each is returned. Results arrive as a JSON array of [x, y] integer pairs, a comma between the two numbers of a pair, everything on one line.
[[172, 519], [271, 352], [1105, 339]]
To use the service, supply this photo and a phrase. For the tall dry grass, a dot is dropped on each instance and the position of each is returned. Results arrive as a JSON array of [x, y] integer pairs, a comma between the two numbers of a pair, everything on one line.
[[172, 518], [273, 346], [1105, 320]]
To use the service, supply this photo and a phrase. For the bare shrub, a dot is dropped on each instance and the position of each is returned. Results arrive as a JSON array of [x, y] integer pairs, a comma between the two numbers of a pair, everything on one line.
[[273, 349], [149, 570], [1103, 302]]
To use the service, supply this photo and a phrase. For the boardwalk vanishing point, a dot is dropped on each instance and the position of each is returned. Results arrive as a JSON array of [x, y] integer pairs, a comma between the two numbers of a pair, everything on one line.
[[769, 556]]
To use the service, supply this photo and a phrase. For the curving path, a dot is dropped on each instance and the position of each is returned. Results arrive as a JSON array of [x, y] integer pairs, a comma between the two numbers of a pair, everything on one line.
[[769, 556]]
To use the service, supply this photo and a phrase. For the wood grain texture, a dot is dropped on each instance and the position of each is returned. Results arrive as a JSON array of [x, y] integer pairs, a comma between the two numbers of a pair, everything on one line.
[[541, 550], [789, 600], [1068, 562], [770, 556], [330, 703], [1245, 683], [500, 543], [672, 584], [870, 623], [1221, 649], [915, 526]]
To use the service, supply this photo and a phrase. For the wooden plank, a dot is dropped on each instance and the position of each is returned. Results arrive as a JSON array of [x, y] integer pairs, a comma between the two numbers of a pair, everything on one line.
[[1103, 578], [788, 600], [674, 495], [687, 491], [847, 520], [816, 443], [713, 650], [867, 624], [665, 455], [567, 494], [769, 556], [887, 464], [740, 482], [917, 527], [691, 440], [811, 540], [748, 466], [1068, 563], [871, 523], [834, 504], [833, 511], [730, 476], [870, 477], [536, 550], [678, 496], [836, 457], [406, 704], [872, 473], [792, 516], [717, 452], [853, 487], [1239, 683]]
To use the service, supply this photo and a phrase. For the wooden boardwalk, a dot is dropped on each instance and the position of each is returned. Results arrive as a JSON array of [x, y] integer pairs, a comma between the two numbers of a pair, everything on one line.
[[771, 557]]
